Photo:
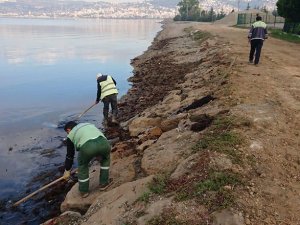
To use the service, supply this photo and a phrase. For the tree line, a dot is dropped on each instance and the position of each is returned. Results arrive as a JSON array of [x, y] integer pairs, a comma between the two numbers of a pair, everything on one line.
[[189, 10], [290, 10]]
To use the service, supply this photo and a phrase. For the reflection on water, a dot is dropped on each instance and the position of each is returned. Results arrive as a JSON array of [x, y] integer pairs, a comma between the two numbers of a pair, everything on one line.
[[48, 74], [48, 41], [45, 62]]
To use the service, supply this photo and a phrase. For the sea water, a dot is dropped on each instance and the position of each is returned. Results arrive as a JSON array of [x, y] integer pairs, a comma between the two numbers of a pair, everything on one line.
[[48, 73]]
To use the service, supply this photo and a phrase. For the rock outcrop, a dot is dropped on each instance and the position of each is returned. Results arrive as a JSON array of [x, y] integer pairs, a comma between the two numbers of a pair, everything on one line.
[[186, 151], [176, 81]]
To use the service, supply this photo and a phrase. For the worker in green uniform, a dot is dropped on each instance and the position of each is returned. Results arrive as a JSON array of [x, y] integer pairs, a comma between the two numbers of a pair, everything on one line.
[[90, 142]]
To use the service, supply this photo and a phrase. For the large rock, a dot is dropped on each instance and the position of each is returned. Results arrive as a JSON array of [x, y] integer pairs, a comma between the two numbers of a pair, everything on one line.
[[144, 145], [150, 134], [185, 166], [168, 151], [169, 105], [110, 206], [122, 170], [123, 149], [155, 209], [172, 122], [141, 124]]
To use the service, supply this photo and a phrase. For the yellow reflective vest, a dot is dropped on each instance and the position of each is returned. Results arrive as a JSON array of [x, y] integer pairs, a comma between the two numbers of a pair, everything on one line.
[[108, 87]]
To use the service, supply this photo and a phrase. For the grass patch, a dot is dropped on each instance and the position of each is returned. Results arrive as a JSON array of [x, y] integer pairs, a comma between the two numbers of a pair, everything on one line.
[[229, 122], [188, 29], [159, 183], [197, 35], [277, 33], [223, 123], [216, 181], [211, 192], [224, 142], [218, 200], [183, 195], [220, 137], [220, 142], [200, 35], [145, 197]]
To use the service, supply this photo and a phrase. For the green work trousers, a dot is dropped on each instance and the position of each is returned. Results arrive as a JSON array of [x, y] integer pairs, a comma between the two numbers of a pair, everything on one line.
[[93, 148]]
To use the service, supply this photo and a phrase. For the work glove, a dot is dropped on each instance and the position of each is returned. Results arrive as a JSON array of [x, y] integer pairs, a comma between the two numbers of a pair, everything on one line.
[[67, 174]]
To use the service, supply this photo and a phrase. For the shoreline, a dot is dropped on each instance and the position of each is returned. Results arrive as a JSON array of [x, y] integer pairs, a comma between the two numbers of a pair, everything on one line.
[[147, 113], [205, 137]]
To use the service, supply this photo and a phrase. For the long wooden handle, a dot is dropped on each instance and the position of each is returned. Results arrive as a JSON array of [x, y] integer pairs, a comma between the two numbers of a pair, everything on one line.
[[42, 188], [37, 191], [85, 111]]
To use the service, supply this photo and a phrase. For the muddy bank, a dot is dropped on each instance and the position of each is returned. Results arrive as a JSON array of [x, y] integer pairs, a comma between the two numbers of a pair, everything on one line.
[[41, 158], [32, 157]]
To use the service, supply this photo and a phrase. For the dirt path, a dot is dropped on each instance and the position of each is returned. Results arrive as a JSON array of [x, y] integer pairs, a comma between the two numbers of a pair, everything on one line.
[[269, 94]]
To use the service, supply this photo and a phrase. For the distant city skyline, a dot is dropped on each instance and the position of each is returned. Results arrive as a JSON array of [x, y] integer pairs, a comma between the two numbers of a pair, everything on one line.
[[114, 1]]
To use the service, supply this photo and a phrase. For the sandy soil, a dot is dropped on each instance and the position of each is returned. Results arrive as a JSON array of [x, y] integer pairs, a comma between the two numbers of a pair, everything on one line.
[[270, 95]]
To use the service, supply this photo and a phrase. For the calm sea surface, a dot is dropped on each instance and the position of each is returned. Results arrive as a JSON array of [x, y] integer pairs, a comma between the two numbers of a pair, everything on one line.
[[48, 73]]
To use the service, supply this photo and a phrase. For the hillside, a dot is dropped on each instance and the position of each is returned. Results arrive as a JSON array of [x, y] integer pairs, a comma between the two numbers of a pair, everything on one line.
[[118, 9], [206, 138]]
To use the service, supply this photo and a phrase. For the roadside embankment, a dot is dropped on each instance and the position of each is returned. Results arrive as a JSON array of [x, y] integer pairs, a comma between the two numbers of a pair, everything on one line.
[[186, 150]]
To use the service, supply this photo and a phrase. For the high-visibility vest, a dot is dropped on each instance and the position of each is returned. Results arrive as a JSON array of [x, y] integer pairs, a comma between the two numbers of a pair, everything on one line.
[[259, 24], [82, 133], [108, 87]]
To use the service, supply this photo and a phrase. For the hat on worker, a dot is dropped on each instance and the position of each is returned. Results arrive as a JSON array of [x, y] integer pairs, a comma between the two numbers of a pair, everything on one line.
[[98, 75]]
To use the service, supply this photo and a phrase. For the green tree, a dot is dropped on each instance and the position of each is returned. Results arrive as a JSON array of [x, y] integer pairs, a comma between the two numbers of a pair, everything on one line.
[[212, 14], [289, 9], [189, 9]]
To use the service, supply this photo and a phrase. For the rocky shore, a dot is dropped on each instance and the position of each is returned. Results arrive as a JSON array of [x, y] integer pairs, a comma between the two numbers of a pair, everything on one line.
[[174, 96], [181, 154]]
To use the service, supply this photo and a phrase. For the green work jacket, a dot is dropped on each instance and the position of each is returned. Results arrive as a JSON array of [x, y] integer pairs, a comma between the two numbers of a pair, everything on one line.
[[83, 132]]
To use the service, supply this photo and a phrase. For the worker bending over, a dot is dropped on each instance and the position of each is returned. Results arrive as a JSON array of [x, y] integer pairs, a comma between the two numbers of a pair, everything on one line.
[[90, 142]]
